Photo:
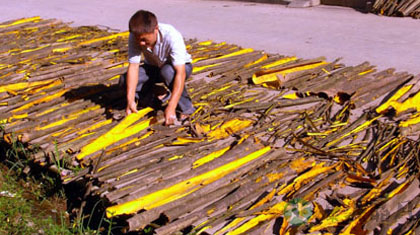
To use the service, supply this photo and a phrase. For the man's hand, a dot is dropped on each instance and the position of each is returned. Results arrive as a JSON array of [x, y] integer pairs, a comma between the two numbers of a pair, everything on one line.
[[131, 108], [132, 79], [178, 87], [170, 116]]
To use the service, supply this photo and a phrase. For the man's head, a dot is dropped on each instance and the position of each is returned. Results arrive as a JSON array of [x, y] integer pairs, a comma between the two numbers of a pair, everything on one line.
[[143, 24]]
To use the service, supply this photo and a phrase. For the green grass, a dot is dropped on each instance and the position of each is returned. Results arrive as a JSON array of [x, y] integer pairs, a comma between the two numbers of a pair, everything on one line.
[[33, 200], [18, 215]]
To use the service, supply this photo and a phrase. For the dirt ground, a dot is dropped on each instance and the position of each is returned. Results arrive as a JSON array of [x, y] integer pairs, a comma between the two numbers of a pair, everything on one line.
[[307, 32]]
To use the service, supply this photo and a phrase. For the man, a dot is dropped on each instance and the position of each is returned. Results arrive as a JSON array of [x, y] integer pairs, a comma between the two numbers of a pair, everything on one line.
[[166, 59]]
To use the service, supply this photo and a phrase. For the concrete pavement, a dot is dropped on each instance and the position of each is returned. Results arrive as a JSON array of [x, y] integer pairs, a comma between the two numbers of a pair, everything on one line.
[[305, 32]]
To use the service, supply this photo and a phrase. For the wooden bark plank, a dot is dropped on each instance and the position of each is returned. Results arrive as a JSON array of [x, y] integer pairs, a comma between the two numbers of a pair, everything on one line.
[[140, 161], [192, 205], [241, 150], [26, 137], [143, 184]]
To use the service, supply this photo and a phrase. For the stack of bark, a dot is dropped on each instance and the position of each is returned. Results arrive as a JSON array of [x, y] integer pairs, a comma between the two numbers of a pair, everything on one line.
[[397, 8], [278, 144]]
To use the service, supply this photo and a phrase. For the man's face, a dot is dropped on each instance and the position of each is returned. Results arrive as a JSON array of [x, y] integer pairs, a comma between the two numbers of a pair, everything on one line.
[[147, 39]]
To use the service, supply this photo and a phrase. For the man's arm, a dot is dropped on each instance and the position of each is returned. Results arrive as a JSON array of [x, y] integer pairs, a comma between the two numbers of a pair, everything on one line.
[[132, 80], [179, 83]]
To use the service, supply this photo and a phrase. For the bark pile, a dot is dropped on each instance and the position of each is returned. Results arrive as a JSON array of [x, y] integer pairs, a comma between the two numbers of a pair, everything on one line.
[[278, 144]]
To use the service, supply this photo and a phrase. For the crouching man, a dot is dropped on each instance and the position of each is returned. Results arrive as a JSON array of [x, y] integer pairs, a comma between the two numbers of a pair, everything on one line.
[[165, 60]]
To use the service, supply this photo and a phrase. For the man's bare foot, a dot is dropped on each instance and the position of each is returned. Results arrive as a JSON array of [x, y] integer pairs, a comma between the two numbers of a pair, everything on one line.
[[184, 117]]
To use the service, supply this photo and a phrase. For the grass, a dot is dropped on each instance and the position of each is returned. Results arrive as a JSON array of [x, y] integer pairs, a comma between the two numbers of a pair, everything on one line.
[[20, 213], [33, 200]]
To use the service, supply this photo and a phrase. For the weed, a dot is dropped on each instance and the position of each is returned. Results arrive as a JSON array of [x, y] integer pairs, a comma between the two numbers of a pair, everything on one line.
[[17, 214], [56, 158], [31, 196], [14, 158]]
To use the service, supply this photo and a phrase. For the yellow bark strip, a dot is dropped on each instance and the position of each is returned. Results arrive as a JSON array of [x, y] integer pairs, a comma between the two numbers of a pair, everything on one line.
[[237, 221], [69, 118], [366, 72], [240, 52], [16, 117], [398, 145], [326, 71], [210, 157], [393, 99], [198, 69], [278, 209], [113, 36], [318, 212], [239, 102], [95, 126], [411, 121], [292, 96], [119, 132], [122, 65], [264, 57], [402, 170], [113, 136], [183, 140], [182, 189], [175, 157], [353, 224], [301, 164], [70, 37], [22, 21], [302, 68], [399, 189], [38, 89], [203, 229], [135, 140], [375, 192], [272, 213], [33, 49], [205, 43], [23, 85], [391, 142], [271, 76], [10, 32], [195, 60], [41, 100], [315, 171], [62, 49], [410, 103], [355, 130], [228, 128], [125, 144], [216, 91], [338, 215], [78, 138], [127, 173], [61, 132], [202, 128], [279, 62]]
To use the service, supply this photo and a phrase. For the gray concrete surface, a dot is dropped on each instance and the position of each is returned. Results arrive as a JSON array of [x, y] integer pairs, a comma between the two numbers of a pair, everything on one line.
[[307, 33]]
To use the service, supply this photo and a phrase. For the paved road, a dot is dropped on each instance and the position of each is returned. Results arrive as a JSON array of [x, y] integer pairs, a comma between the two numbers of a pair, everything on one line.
[[307, 33]]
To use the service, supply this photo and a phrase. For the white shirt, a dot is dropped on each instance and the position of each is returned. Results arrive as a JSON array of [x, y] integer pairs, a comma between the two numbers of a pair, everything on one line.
[[169, 46]]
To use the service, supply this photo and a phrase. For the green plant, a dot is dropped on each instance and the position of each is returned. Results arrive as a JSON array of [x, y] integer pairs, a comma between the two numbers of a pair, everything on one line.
[[30, 189], [17, 213], [56, 158], [16, 156]]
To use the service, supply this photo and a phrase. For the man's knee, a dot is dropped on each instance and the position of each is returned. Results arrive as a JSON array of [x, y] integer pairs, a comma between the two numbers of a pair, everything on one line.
[[122, 80], [167, 73]]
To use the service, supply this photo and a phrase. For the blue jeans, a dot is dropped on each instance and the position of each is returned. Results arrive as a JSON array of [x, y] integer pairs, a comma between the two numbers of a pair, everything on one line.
[[149, 74]]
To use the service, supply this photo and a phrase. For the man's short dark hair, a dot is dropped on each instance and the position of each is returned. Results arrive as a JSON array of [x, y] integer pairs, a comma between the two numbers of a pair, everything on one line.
[[142, 22]]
